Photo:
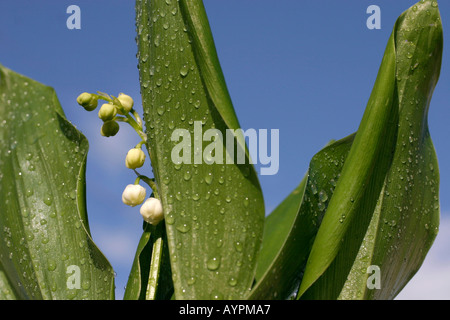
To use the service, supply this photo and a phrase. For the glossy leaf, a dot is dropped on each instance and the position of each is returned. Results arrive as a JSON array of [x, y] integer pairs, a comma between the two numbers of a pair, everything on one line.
[[46, 250], [143, 284], [277, 227], [281, 271], [388, 189], [214, 212]]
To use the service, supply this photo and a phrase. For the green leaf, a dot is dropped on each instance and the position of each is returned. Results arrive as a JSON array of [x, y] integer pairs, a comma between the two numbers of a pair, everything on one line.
[[214, 212], [143, 284], [46, 246], [277, 227], [293, 225], [388, 189], [6, 290]]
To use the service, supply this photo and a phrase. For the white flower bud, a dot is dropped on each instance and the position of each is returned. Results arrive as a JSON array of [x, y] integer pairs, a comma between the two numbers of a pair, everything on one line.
[[107, 112], [126, 101], [152, 211], [135, 158], [133, 195]]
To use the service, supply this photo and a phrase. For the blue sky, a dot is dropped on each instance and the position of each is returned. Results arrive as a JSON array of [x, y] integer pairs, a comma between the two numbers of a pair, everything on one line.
[[304, 67]]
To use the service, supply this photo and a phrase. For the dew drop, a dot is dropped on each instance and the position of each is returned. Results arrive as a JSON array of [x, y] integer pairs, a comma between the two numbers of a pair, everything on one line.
[[323, 196], [195, 197], [160, 110], [184, 70], [51, 265], [86, 284], [216, 296], [209, 178], [156, 41], [170, 219], [191, 281], [166, 180], [213, 264], [232, 282], [187, 175], [29, 192], [48, 200], [321, 206]]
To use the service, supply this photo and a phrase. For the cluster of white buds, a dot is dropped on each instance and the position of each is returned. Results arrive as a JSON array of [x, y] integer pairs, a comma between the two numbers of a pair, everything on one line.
[[151, 210], [116, 110]]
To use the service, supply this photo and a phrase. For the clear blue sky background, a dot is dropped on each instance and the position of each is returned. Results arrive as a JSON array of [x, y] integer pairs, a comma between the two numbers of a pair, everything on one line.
[[304, 67]]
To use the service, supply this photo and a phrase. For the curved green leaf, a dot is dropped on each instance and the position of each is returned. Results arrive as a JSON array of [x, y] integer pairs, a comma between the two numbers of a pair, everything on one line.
[[406, 221], [46, 250], [143, 284], [277, 226], [388, 188], [214, 212], [292, 229]]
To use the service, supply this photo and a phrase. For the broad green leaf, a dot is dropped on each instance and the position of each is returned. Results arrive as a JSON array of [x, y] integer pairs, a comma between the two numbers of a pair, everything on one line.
[[293, 227], [46, 250], [388, 189], [406, 221], [214, 212], [277, 226], [144, 283]]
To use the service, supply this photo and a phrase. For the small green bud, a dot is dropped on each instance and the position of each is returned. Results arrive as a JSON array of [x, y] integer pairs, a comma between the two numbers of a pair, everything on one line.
[[126, 101], [135, 158], [107, 112], [88, 101], [109, 128]]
